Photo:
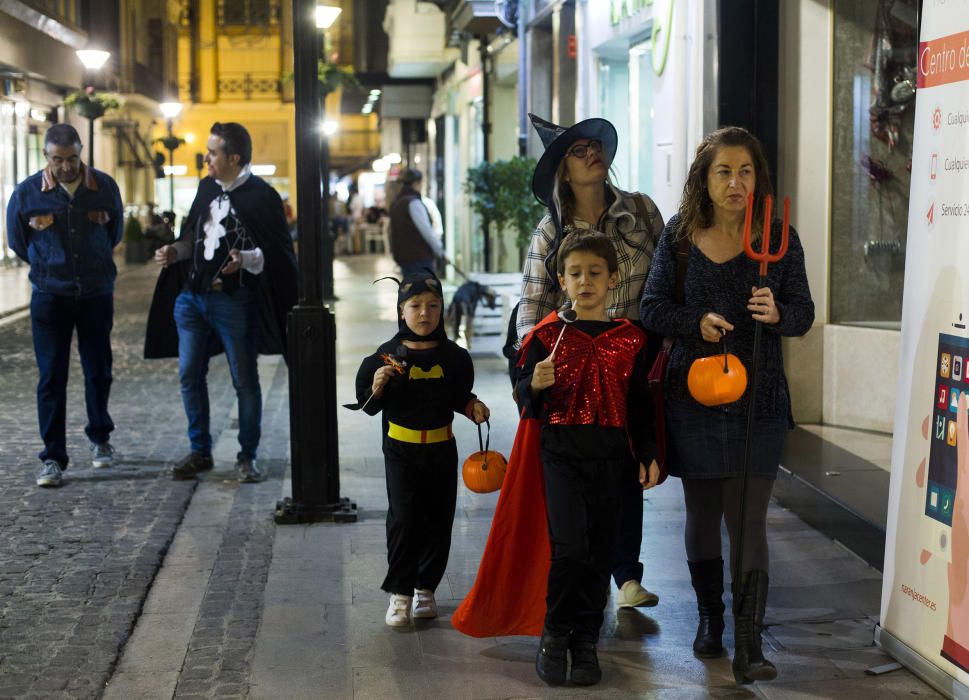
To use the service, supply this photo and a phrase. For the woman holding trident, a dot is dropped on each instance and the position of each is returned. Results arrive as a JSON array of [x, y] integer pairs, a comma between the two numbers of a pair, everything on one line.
[[725, 297]]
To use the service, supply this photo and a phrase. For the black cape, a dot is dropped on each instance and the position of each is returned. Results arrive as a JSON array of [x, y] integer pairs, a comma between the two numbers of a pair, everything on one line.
[[260, 210]]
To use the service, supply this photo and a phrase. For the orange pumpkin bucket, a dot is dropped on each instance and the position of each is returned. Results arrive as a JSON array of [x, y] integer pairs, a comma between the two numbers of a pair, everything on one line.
[[718, 379], [483, 471]]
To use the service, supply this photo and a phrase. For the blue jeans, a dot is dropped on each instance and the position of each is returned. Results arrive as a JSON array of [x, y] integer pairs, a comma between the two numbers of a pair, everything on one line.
[[201, 319], [53, 320]]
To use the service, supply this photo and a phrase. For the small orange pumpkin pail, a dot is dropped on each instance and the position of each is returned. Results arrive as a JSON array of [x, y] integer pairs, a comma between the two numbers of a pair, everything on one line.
[[718, 379], [483, 471]]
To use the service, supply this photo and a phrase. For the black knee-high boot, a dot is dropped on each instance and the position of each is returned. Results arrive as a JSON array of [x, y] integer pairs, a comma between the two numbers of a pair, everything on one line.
[[707, 578], [749, 603]]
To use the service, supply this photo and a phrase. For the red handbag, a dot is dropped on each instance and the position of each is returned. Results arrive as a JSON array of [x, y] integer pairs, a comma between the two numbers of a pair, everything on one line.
[[657, 373]]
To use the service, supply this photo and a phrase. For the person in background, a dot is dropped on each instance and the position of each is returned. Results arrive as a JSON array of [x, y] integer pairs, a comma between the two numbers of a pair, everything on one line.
[[355, 211], [64, 222], [413, 243]]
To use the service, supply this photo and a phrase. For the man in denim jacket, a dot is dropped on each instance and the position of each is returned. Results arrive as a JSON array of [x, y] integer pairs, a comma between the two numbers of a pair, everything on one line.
[[64, 221]]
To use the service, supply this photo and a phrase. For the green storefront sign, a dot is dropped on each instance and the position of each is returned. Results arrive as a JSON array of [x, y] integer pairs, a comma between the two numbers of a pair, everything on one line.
[[662, 24]]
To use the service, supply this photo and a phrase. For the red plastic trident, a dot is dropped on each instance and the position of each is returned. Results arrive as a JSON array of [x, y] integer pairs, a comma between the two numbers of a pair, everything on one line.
[[765, 256]]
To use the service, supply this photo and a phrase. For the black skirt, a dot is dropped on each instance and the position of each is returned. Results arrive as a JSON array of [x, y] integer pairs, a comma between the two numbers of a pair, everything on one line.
[[707, 443]]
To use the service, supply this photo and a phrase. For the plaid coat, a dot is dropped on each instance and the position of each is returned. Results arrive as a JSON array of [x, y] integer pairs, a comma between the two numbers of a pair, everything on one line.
[[635, 240]]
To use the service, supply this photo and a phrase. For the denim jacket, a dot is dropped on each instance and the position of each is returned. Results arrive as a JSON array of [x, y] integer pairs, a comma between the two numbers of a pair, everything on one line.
[[67, 242]]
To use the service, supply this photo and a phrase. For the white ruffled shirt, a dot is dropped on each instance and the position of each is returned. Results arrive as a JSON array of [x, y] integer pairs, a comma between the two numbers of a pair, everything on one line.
[[253, 261]]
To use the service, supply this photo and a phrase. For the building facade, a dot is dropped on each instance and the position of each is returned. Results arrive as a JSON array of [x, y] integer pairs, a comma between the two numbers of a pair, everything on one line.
[[40, 69]]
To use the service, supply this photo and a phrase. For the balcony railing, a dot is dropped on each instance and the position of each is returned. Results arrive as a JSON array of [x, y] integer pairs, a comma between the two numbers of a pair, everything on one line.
[[249, 86]]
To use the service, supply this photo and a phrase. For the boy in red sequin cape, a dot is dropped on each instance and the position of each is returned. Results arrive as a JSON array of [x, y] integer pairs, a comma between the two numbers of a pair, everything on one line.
[[586, 417]]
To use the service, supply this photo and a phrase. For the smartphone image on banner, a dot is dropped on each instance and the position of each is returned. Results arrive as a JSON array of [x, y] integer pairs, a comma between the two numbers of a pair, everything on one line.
[[950, 383]]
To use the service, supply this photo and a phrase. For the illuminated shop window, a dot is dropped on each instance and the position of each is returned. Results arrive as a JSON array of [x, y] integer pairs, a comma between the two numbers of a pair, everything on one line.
[[875, 47]]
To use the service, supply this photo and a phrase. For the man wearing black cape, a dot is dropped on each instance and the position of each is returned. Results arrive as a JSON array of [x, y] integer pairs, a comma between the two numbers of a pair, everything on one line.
[[228, 283]]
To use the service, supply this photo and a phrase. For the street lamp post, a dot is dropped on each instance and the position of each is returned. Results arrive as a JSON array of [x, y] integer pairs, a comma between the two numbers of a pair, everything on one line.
[[170, 110], [326, 15], [311, 330], [92, 60]]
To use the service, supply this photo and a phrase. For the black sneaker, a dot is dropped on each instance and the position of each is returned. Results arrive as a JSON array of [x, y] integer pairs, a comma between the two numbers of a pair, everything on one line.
[[585, 663], [189, 467], [247, 472], [551, 661]]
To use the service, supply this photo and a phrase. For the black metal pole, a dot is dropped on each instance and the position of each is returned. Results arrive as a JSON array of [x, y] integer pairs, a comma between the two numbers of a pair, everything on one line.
[[171, 169], [90, 142], [312, 328], [524, 46], [326, 251], [737, 575], [328, 293], [485, 131]]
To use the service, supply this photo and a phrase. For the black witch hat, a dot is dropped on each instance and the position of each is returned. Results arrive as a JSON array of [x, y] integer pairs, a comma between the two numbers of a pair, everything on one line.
[[557, 140]]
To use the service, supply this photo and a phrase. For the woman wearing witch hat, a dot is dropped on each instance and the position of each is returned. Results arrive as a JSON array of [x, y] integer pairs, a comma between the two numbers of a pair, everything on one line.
[[572, 180]]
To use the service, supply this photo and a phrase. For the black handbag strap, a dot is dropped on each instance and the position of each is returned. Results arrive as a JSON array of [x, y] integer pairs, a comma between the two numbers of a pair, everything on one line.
[[682, 260], [679, 289]]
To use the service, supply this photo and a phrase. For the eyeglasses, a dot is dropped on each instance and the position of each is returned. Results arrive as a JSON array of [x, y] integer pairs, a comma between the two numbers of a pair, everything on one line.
[[581, 150]]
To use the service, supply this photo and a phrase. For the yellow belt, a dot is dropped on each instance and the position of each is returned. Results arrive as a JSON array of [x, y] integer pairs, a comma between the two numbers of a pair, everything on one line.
[[419, 437]]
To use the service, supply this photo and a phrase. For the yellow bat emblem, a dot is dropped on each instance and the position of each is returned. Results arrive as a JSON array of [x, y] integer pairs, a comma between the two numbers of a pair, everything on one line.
[[435, 372]]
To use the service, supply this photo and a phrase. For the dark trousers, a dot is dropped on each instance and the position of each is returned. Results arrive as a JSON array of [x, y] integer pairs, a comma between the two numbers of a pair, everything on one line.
[[625, 563], [410, 268], [583, 504], [53, 320], [422, 488]]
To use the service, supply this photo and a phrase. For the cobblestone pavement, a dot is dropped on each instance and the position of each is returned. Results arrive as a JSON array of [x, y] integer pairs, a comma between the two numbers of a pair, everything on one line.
[[76, 563]]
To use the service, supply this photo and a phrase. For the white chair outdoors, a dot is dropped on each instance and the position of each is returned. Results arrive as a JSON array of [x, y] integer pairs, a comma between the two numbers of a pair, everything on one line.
[[373, 233]]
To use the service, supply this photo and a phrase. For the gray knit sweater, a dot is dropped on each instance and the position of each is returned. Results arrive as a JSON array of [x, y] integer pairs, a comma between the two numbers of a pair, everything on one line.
[[725, 288]]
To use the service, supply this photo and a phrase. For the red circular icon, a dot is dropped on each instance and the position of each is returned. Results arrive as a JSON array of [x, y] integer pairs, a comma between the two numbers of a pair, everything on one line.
[[936, 118]]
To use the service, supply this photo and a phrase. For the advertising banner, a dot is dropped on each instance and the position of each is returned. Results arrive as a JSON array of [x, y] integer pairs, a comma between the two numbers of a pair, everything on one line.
[[925, 594]]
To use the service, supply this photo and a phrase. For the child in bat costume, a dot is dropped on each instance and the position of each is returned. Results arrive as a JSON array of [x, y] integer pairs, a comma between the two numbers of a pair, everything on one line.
[[418, 380]]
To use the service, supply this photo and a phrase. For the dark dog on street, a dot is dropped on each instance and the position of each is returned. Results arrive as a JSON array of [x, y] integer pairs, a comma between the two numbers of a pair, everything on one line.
[[463, 305]]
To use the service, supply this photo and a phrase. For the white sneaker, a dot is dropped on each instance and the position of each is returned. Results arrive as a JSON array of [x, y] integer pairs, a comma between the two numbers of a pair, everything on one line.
[[398, 614], [425, 607]]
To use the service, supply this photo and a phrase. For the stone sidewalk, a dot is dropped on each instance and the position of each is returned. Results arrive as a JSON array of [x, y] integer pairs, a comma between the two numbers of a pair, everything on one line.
[[77, 562], [242, 608]]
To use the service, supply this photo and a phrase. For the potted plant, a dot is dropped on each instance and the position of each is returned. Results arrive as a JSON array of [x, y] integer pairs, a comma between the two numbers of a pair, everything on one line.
[[90, 104], [501, 194], [332, 77]]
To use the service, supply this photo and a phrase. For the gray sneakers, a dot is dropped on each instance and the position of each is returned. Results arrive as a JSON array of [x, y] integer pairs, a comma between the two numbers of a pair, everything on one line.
[[189, 466], [50, 475], [247, 472], [102, 456]]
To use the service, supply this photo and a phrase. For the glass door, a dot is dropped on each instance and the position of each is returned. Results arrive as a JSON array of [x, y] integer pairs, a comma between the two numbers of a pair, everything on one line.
[[614, 106], [641, 146]]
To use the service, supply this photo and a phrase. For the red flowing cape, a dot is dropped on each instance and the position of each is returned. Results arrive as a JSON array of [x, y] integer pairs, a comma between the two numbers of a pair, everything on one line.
[[508, 595]]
